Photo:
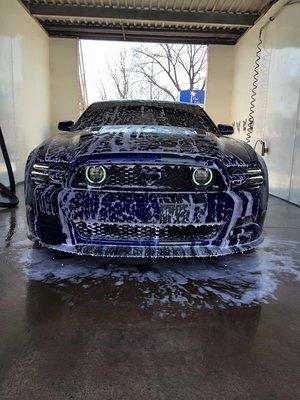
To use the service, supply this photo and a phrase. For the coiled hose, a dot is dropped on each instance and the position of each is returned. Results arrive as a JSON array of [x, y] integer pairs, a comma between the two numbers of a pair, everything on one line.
[[254, 88], [8, 193]]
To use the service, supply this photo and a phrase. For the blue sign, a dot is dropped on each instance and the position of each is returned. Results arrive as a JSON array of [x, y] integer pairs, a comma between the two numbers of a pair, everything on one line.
[[192, 96]]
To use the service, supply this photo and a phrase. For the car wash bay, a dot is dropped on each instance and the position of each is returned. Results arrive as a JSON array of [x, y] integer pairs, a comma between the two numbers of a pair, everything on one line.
[[76, 327]]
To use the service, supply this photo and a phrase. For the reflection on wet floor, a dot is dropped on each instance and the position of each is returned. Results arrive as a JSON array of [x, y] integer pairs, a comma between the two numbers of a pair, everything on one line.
[[75, 327], [187, 283], [11, 227], [226, 327]]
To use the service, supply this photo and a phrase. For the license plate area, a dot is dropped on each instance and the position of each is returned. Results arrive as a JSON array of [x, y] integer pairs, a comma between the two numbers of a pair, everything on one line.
[[174, 213], [138, 208]]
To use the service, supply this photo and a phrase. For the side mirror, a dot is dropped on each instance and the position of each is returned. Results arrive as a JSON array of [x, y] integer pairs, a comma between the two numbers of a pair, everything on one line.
[[225, 129], [65, 125]]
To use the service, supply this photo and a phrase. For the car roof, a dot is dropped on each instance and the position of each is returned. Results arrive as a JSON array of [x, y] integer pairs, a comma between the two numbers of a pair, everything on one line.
[[158, 103]]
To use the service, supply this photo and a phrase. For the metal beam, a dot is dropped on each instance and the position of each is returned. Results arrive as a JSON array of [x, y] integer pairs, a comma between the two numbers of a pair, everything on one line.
[[125, 14], [102, 29], [140, 33], [132, 37], [144, 39]]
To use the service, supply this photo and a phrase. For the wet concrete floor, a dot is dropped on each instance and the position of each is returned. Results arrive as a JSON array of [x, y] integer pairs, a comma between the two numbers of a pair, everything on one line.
[[86, 328]]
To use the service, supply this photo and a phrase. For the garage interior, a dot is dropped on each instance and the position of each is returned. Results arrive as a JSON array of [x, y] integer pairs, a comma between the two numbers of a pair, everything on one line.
[[76, 327]]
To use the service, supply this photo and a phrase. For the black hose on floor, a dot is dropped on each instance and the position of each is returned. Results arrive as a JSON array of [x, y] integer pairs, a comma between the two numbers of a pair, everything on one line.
[[7, 193]]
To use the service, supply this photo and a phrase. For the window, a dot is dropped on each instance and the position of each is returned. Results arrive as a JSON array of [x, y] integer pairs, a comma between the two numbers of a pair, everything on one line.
[[116, 113]]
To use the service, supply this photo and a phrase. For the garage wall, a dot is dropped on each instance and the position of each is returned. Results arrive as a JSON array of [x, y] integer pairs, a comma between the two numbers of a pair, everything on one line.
[[64, 81], [219, 83], [277, 101], [244, 63], [24, 84]]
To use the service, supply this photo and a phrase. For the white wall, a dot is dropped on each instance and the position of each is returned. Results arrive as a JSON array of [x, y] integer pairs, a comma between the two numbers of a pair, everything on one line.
[[244, 63], [64, 81], [24, 84], [219, 83], [278, 94], [277, 106]]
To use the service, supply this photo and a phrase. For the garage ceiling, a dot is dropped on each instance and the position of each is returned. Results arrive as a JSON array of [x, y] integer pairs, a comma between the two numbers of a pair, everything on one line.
[[184, 21]]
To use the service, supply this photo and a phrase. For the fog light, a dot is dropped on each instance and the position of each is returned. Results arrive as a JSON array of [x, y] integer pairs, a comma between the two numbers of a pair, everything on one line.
[[202, 176], [96, 174]]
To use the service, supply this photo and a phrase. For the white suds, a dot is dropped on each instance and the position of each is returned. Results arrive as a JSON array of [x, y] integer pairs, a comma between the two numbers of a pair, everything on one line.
[[234, 280]]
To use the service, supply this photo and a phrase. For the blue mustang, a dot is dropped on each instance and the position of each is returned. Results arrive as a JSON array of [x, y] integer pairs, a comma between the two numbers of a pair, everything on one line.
[[145, 179]]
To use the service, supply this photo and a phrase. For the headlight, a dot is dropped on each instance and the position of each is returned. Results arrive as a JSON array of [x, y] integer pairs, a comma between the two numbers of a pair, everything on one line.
[[202, 176], [95, 174]]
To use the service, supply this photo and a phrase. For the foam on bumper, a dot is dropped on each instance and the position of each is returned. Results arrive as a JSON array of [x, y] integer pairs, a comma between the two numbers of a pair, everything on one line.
[[181, 251]]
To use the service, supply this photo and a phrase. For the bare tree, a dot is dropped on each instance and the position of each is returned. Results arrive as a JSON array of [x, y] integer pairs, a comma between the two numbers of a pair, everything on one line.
[[146, 89], [156, 72], [122, 75], [102, 91], [194, 65], [170, 67]]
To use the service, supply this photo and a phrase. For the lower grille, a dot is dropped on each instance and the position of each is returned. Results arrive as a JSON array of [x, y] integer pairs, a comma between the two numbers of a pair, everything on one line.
[[48, 228], [97, 230]]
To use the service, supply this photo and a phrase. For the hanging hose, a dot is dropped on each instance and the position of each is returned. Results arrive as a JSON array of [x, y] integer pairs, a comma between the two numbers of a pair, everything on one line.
[[250, 126], [254, 88], [8, 193]]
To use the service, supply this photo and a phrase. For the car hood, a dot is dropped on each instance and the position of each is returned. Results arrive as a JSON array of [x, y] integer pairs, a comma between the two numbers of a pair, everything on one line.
[[163, 140]]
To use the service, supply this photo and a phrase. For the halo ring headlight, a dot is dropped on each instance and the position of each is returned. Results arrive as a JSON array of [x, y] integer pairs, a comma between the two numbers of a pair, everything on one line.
[[202, 176], [95, 174]]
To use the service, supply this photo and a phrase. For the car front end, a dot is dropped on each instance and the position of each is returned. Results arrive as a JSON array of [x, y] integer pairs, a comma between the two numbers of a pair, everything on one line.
[[150, 201]]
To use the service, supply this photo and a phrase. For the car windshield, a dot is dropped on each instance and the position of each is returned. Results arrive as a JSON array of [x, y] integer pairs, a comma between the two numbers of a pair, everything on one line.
[[181, 115]]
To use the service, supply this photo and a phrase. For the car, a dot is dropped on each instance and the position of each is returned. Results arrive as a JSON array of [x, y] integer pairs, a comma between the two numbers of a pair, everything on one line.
[[145, 179]]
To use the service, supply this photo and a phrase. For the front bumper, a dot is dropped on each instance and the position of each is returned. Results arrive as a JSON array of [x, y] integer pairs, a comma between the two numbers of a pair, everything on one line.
[[55, 214], [159, 251]]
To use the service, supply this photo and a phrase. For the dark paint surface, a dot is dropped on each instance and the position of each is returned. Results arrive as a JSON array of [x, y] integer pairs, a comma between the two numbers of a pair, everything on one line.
[[143, 146], [94, 338]]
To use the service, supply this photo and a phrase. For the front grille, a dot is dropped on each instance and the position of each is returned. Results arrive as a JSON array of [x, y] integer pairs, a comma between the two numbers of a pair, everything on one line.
[[166, 177], [103, 231], [137, 175]]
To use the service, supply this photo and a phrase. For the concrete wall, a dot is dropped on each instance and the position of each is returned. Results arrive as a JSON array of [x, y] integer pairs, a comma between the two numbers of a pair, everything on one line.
[[244, 63], [220, 83], [276, 116], [39, 84], [24, 84], [230, 77], [64, 81]]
